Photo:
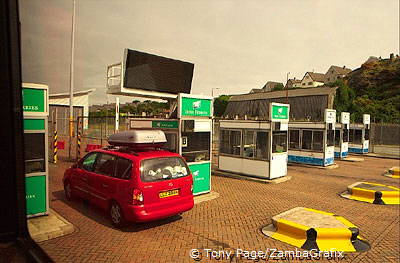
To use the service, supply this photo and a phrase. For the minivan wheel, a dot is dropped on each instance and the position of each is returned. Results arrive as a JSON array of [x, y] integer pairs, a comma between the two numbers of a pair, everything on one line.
[[117, 218], [68, 191]]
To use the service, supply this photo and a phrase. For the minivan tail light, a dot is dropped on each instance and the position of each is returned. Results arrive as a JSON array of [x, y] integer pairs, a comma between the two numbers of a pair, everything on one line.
[[137, 197]]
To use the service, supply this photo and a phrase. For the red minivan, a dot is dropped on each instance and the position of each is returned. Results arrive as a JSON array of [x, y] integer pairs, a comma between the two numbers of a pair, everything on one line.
[[134, 186]]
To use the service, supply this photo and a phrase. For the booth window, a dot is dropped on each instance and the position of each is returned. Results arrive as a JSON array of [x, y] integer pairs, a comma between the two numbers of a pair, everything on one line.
[[249, 146], [198, 146], [345, 135], [294, 139], [279, 141], [171, 142], [224, 141], [235, 141], [366, 137], [34, 152], [262, 145], [318, 140], [306, 140], [330, 135], [337, 137], [358, 136], [351, 135]]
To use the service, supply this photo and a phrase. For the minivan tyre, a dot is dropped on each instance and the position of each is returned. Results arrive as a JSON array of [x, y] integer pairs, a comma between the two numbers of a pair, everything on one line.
[[116, 215], [68, 191]]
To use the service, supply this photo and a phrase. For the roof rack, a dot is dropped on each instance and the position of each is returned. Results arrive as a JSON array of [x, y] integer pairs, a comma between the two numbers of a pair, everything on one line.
[[124, 149]]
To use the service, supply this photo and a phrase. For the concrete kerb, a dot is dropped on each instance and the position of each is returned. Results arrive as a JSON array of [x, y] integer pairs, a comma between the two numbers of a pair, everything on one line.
[[372, 193], [312, 229], [249, 178]]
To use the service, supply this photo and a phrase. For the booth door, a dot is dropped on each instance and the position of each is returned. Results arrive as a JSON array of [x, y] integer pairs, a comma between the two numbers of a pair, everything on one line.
[[279, 154]]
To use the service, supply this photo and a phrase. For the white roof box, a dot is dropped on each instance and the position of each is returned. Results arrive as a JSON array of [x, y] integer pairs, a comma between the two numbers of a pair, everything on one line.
[[139, 138]]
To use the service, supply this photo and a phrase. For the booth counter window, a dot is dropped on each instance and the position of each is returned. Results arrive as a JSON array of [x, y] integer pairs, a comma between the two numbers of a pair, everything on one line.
[[345, 135], [355, 136], [279, 141], [366, 136], [330, 136], [255, 143], [337, 137], [34, 152], [294, 139], [310, 140], [198, 146]]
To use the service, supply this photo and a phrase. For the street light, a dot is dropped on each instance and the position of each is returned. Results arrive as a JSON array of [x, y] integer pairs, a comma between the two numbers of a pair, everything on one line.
[[71, 84], [287, 91]]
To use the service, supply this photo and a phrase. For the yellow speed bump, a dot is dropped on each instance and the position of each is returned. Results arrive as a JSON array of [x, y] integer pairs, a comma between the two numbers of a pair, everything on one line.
[[373, 193], [393, 172], [312, 229]]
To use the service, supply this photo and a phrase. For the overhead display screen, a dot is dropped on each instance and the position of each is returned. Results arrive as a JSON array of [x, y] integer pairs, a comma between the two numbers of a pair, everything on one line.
[[155, 73]]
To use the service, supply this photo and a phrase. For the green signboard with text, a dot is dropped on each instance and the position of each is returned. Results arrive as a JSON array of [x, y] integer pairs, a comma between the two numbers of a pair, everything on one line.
[[279, 112], [196, 107], [35, 187], [34, 100], [165, 124], [201, 177]]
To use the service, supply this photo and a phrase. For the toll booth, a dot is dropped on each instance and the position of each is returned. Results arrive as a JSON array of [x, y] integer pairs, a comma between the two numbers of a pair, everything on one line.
[[342, 136], [189, 135], [359, 136], [313, 142], [35, 112], [256, 148]]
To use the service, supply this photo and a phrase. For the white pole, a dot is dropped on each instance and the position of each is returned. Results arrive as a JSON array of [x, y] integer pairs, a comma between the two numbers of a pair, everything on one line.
[[116, 113], [71, 82]]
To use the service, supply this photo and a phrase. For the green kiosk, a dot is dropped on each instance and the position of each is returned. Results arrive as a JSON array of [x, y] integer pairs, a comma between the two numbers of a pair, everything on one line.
[[189, 135], [35, 107]]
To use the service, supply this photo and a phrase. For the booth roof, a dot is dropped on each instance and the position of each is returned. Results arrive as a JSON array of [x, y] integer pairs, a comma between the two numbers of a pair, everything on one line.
[[300, 92]]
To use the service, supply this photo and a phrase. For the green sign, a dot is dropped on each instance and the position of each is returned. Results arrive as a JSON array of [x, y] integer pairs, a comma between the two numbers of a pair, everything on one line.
[[165, 124], [34, 124], [35, 194], [201, 177], [33, 100], [280, 112], [196, 107]]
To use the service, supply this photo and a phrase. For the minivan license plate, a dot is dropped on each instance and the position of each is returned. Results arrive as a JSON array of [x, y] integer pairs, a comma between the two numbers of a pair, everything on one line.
[[169, 193]]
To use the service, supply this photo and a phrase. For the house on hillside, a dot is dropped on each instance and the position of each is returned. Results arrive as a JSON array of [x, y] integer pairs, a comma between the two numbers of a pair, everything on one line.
[[293, 83], [267, 87], [334, 73], [312, 79]]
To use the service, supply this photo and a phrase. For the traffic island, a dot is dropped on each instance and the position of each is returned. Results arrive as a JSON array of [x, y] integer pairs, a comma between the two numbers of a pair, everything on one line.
[[353, 159], [311, 229], [372, 193], [393, 172]]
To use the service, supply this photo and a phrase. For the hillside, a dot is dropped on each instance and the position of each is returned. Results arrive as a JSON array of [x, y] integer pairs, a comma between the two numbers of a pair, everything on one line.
[[373, 88]]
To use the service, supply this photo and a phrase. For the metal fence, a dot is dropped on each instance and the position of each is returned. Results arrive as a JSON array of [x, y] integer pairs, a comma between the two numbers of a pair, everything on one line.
[[385, 134]]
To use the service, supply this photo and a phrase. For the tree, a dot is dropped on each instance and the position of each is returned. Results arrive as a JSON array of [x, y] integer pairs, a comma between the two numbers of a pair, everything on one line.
[[220, 104]]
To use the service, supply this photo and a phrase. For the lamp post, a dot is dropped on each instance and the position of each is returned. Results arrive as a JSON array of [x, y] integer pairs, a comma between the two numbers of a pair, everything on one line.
[[71, 82], [287, 91]]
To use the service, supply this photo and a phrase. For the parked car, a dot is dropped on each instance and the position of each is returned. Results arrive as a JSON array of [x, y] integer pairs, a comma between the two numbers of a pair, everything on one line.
[[133, 184]]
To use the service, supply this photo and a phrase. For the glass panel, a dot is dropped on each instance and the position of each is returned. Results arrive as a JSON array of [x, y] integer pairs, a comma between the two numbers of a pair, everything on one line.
[[366, 137], [318, 140], [279, 142], [123, 170], [337, 137], [88, 162], [306, 140], [294, 139], [159, 169], [235, 142], [171, 142], [34, 151], [198, 146], [330, 136], [248, 145], [262, 145], [105, 165], [346, 135], [351, 135], [357, 136], [224, 141]]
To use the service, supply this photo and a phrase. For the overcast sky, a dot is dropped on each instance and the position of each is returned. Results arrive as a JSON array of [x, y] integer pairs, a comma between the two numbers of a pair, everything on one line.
[[235, 45]]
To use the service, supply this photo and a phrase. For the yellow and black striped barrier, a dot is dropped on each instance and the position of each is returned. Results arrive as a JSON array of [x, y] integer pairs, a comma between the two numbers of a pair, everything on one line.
[[393, 172], [312, 229], [55, 147], [78, 145], [373, 193]]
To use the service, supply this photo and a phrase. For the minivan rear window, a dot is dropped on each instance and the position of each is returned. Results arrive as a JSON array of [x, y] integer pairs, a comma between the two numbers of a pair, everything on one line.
[[159, 169]]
